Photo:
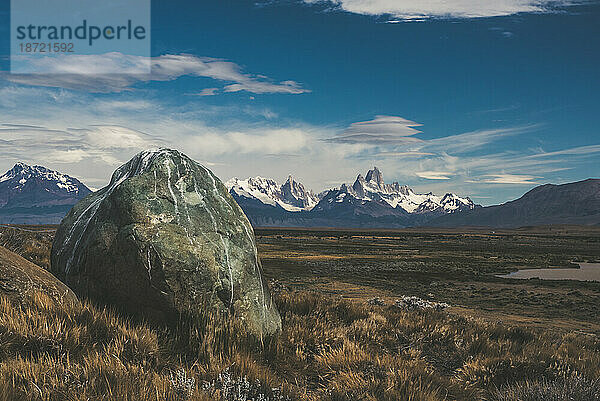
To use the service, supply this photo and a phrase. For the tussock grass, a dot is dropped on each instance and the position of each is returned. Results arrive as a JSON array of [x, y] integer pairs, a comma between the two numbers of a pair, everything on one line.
[[31, 242], [573, 389], [329, 349]]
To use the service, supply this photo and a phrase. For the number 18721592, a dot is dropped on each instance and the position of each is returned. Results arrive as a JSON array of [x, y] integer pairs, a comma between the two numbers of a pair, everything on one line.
[[46, 47]]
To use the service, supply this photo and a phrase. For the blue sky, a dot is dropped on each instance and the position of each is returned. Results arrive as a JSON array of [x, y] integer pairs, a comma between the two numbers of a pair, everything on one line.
[[486, 100]]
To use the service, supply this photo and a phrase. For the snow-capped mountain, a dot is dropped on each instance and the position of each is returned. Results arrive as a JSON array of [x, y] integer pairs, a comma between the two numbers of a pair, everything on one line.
[[367, 202], [291, 196], [295, 194], [571, 203], [35, 194], [373, 188]]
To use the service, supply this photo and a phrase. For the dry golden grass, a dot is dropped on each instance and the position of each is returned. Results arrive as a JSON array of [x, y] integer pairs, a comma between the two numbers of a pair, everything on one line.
[[330, 349], [31, 242]]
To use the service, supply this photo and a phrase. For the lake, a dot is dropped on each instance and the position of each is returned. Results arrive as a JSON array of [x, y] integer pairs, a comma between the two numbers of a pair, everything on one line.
[[586, 272]]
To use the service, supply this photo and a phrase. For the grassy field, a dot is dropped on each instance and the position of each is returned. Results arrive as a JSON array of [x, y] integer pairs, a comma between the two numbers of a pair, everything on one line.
[[457, 267], [330, 349], [34, 243], [502, 340]]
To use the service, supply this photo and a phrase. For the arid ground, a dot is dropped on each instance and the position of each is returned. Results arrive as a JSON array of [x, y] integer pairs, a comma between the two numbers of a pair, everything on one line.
[[500, 339], [454, 266]]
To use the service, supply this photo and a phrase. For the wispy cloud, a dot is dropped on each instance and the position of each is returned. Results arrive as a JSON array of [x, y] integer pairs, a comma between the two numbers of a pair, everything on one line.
[[404, 154], [467, 160], [100, 73], [502, 31], [514, 179], [410, 10], [434, 175], [395, 130], [380, 130], [72, 145], [474, 140], [579, 150], [208, 92], [88, 136]]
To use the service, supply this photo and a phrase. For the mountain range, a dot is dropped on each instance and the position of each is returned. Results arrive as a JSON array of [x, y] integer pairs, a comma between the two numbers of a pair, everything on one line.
[[572, 203], [369, 202], [37, 195]]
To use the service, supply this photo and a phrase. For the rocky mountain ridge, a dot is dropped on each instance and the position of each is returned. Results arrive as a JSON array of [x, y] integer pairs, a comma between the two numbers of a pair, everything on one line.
[[364, 203], [572, 203], [37, 195]]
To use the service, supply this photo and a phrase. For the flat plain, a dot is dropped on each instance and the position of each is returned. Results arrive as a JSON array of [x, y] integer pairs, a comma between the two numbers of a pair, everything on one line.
[[459, 267]]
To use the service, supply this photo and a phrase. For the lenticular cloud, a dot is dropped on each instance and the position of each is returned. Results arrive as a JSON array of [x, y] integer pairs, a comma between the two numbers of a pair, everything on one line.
[[417, 9]]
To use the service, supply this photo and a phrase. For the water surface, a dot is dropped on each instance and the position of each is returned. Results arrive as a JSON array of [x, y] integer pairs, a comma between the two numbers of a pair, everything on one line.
[[586, 272]]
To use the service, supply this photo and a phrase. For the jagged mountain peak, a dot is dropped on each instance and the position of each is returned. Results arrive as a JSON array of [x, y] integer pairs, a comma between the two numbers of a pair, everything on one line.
[[374, 188], [375, 176], [292, 184], [368, 192], [291, 196], [404, 189], [36, 194], [23, 168], [22, 175], [294, 193]]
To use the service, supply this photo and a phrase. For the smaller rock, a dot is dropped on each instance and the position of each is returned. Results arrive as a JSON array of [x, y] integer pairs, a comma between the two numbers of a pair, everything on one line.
[[19, 278], [416, 303], [376, 301]]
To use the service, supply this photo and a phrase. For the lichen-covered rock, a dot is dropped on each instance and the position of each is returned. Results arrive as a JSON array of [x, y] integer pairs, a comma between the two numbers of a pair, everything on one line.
[[165, 236], [20, 279]]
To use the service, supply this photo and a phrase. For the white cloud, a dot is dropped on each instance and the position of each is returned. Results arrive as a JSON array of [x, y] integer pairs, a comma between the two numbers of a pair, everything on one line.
[[470, 141], [89, 136], [380, 130], [265, 141], [115, 137], [580, 150], [434, 175], [130, 105], [208, 92], [417, 10], [72, 145], [405, 154], [100, 73], [398, 131], [515, 179]]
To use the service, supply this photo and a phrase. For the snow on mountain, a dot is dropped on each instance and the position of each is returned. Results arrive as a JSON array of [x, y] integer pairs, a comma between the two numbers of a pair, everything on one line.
[[37, 195], [22, 173], [295, 194], [291, 196], [369, 195], [26, 186], [373, 188], [571, 203]]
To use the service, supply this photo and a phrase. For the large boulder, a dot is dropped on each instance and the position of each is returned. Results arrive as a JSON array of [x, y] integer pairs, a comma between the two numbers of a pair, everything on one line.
[[165, 236], [20, 279]]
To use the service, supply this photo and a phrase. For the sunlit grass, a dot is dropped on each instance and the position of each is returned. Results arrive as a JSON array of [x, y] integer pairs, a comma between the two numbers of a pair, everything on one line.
[[329, 349]]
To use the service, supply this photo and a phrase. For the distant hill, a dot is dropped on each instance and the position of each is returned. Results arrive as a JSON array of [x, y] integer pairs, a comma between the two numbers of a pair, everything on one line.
[[37, 195], [573, 203]]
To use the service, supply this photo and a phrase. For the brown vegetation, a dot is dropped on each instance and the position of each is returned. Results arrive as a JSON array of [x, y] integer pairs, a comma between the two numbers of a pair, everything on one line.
[[330, 349], [333, 349], [31, 242], [19, 278]]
